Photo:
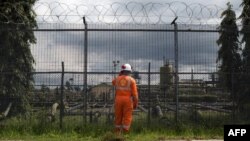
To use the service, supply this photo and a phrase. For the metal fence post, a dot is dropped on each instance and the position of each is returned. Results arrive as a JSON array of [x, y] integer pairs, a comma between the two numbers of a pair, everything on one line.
[[176, 68], [61, 97], [149, 95], [85, 69]]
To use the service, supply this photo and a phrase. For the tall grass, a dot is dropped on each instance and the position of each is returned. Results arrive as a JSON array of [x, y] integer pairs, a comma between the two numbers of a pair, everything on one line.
[[193, 125]]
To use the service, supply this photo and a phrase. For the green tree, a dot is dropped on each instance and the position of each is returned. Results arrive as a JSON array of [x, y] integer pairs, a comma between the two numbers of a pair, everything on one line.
[[244, 98], [45, 89], [245, 17], [68, 85], [17, 19], [228, 54]]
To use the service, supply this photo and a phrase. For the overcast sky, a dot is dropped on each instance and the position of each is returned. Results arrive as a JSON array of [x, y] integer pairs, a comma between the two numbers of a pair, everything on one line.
[[197, 51], [157, 11]]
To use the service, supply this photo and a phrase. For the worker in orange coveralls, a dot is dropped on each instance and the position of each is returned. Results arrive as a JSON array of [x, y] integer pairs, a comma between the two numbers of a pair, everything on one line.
[[126, 99]]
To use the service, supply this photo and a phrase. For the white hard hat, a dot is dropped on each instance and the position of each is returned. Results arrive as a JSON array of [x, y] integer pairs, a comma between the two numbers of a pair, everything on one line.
[[126, 67]]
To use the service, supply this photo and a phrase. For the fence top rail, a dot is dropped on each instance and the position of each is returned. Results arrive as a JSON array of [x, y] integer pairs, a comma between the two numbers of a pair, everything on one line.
[[115, 30], [73, 72], [131, 30]]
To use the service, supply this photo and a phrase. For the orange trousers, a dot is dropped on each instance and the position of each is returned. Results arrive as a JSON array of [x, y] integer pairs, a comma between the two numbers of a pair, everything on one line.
[[123, 113]]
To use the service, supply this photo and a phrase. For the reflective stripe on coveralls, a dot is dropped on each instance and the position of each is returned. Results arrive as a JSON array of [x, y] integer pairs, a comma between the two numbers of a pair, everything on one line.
[[126, 127], [122, 127]]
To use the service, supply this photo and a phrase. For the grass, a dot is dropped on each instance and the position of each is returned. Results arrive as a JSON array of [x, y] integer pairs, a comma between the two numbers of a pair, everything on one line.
[[108, 136], [204, 125], [19, 128]]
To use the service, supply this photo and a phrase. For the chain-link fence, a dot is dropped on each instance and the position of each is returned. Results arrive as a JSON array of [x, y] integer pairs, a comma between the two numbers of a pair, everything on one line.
[[175, 68]]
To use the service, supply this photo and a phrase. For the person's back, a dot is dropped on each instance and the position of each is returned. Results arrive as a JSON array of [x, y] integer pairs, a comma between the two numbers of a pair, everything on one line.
[[125, 86]]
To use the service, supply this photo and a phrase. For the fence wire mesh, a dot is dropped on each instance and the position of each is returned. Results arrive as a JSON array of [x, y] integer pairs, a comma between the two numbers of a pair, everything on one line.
[[201, 98]]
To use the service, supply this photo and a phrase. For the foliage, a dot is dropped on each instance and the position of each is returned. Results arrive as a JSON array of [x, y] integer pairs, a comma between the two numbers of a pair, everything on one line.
[[45, 89], [228, 54], [193, 125], [39, 128], [246, 34], [68, 86], [16, 60], [242, 92], [109, 136]]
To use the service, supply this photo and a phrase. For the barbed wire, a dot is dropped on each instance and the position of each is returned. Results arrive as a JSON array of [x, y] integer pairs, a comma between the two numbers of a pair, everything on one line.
[[122, 13]]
